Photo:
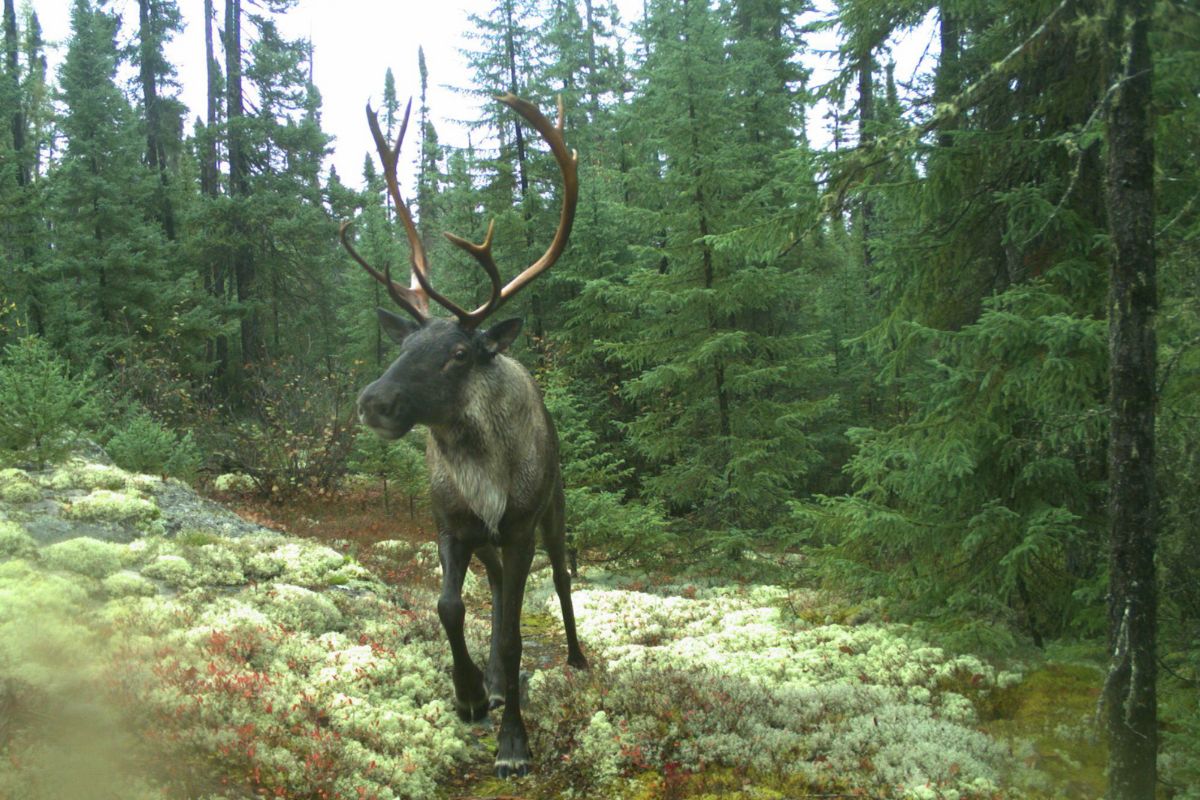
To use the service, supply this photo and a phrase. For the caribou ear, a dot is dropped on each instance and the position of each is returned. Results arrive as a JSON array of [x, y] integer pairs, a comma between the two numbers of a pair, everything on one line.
[[497, 338], [396, 326]]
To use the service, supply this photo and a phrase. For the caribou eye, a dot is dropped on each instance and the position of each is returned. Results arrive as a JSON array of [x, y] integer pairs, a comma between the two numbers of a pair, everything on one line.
[[459, 356]]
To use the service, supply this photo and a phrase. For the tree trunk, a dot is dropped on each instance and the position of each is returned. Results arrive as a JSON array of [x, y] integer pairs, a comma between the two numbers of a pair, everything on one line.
[[1129, 692], [593, 68], [866, 119], [946, 83], [11, 52], [156, 152], [511, 54], [217, 350], [239, 186]]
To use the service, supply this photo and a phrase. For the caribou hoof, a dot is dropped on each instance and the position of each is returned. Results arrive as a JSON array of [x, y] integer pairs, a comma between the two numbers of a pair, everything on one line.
[[512, 767], [495, 701], [472, 712]]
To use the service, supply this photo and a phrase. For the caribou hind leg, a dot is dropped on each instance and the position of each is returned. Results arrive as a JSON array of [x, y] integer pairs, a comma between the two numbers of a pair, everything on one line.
[[470, 697], [554, 540], [494, 672]]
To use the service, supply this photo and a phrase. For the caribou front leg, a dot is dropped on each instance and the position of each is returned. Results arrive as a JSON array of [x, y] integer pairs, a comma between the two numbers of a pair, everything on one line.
[[513, 754], [470, 697]]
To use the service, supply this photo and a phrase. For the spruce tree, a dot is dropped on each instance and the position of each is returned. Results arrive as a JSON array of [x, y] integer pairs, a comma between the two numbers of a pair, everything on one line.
[[110, 292]]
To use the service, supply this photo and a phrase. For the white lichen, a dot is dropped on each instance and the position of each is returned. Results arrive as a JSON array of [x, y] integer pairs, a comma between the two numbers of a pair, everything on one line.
[[86, 556], [172, 569], [128, 583]]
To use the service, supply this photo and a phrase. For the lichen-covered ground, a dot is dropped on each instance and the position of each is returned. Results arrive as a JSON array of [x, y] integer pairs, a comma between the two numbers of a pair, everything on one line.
[[152, 652]]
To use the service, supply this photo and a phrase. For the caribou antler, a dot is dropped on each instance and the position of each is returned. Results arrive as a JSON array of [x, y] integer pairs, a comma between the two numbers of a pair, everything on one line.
[[415, 298]]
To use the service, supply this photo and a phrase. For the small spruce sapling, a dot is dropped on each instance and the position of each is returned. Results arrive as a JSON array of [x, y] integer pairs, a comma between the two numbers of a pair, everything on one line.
[[46, 407]]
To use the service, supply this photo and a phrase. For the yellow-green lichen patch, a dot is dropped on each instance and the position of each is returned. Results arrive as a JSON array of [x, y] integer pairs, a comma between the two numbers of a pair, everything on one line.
[[80, 474], [171, 569], [1050, 717], [128, 583], [233, 483], [16, 486], [63, 737], [86, 556], [216, 564], [107, 505], [14, 541], [45, 639]]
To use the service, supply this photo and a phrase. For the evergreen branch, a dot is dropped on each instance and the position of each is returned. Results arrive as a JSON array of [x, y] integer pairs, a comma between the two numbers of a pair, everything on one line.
[[1102, 105], [1187, 207], [871, 154], [1170, 367]]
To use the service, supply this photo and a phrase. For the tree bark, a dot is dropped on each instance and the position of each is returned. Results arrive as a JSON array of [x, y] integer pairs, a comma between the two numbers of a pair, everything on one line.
[[1129, 692]]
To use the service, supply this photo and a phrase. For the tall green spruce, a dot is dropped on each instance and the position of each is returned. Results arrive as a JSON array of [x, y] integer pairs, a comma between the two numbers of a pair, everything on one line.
[[110, 291], [983, 471], [24, 135], [720, 371]]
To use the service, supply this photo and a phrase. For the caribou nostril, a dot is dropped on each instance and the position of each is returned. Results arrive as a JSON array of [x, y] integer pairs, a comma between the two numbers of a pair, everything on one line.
[[369, 406]]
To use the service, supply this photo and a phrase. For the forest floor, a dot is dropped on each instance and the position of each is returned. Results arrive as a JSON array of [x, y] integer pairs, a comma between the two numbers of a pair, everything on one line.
[[154, 645], [1045, 715]]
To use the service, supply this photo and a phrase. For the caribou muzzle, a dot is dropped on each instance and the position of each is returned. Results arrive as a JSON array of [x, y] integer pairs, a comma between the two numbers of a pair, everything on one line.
[[382, 409]]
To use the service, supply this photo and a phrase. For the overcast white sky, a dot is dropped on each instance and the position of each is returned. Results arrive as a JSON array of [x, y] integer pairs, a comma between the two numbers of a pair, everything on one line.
[[355, 41]]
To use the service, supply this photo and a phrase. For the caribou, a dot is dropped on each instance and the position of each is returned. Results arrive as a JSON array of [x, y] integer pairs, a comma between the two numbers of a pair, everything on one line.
[[492, 450]]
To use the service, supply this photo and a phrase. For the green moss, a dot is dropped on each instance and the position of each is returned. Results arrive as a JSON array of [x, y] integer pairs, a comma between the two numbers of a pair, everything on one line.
[[17, 487], [1053, 710], [85, 556], [197, 537], [15, 542]]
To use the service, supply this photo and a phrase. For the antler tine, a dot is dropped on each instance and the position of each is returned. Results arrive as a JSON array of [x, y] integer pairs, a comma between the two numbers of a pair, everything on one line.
[[389, 156], [568, 163], [415, 299], [412, 301], [482, 252]]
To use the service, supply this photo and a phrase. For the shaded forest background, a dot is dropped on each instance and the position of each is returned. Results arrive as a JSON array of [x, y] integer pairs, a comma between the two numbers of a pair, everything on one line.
[[889, 354]]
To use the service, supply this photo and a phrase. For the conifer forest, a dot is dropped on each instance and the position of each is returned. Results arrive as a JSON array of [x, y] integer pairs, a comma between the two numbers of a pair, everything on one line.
[[873, 351]]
